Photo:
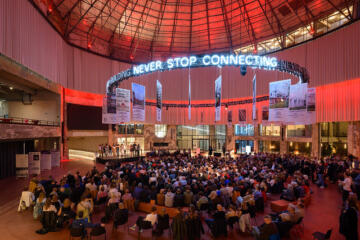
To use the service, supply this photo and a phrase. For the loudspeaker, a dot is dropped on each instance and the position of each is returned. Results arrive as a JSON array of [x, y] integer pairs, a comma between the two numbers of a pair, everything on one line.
[[243, 70]]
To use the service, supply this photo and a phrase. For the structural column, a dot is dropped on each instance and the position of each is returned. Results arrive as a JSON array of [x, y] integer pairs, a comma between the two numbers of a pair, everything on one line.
[[256, 138], [315, 140], [283, 143], [353, 139]]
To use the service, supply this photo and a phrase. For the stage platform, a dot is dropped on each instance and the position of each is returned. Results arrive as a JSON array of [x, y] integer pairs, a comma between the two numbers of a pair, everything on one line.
[[118, 160]]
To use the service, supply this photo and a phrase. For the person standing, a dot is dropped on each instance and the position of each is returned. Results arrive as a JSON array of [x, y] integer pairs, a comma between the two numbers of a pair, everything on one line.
[[210, 151], [349, 221], [346, 185]]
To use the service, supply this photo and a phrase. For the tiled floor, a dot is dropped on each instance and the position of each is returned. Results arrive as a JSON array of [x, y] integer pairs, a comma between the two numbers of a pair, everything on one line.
[[322, 214]]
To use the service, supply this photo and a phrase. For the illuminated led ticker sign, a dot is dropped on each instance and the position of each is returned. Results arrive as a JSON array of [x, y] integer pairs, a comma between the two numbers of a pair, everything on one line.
[[194, 61], [206, 60]]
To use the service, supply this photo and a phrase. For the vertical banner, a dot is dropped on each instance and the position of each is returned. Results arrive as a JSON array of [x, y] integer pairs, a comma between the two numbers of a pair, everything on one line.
[[122, 105], [279, 100], [45, 161], [254, 98], [218, 98], [297, 104], [158, 100], [189, 104], [138, 101], [109, 110], [34, 163], [310, 104], [242, 115], [55, 159], [22, 165], [310, 99]]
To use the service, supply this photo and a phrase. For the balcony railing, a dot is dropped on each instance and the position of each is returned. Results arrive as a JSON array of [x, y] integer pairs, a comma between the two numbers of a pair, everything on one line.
[[26, 121]]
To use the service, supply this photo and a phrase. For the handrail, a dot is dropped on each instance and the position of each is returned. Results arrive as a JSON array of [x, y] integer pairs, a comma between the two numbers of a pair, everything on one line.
[[26, 121]]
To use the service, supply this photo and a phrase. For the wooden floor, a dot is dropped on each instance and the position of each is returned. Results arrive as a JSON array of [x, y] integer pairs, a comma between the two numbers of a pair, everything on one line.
[[322, 214]]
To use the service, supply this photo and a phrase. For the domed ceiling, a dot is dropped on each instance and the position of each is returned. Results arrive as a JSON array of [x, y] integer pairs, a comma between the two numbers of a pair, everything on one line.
[[141, 30]]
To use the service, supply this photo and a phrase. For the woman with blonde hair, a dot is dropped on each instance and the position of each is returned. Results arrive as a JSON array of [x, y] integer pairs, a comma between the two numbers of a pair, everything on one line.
[[65, 213], [39, 205]]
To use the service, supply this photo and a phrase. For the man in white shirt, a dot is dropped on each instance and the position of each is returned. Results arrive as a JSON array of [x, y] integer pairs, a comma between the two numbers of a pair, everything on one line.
[[148, 222], [346, 184]]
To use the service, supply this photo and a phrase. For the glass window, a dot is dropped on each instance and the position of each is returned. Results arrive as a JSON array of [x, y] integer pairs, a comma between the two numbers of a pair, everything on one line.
[[270, 130], [220, 130], [303, 148], [298, 130], [122, 129], [139, 129], [130, 129], [243, 146], [244, 130], [160, 130]]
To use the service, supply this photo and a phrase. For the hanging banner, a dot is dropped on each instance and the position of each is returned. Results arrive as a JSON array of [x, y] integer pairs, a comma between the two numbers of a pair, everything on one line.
[[45, 161], [109, 110], [34, 163], [138, 102], [279, 100], [22, 165], [158, 100], [310, 105], [310, 99], [297, 104], [218, 98], [242, 115], [189, 104], [254, 98], [55, 159], [122, 105]]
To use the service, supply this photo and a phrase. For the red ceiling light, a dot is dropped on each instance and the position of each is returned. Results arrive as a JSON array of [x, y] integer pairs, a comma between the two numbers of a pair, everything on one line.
[[89, 45], [132, 57], [50, 9], [255, 50], [312, 31]]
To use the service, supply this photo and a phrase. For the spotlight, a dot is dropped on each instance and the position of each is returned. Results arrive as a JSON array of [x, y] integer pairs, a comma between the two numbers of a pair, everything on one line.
[[131, 57], [226, 107], [11, 88], [312, 31], [89, 45]]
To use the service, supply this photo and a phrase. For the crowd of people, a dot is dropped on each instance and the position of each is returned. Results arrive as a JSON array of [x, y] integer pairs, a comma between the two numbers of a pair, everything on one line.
[[119, 150], [219, 192]]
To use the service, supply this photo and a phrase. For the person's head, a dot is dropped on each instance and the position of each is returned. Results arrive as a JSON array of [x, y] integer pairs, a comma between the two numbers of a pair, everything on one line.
[[219, 207], [47, 203], [54, 198], [163, 211], [121, 205], [41, 196], [26, 189], [153, 209], [267, 219], [67, 202]]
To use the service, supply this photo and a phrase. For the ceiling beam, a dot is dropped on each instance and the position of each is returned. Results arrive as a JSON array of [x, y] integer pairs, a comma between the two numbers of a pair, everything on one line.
[[339, 10], [227, 25], [267, 19], [68, 13], [111, 10], [81, 18], [158, 24], [122, 14], [246, 26], [174, 26], [97, 17], [138, 26], [191, 22], [249, 22], [126, 22], [208, 22]]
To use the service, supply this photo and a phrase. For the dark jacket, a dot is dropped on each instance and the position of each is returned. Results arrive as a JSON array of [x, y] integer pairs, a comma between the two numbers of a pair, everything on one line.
[[266, 230], [349, 224], [194, 228], [178, 227]]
